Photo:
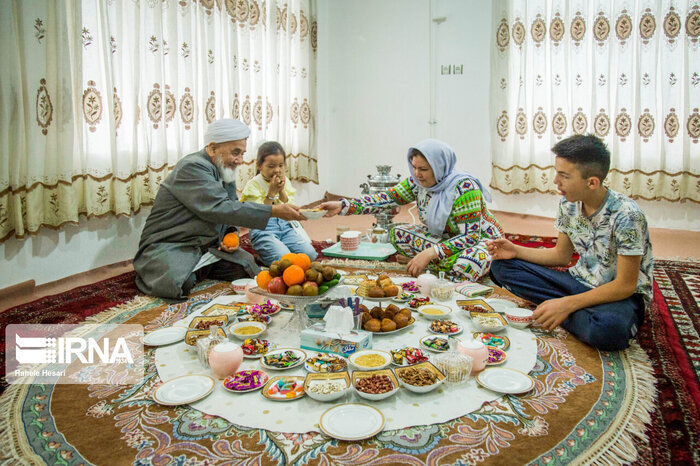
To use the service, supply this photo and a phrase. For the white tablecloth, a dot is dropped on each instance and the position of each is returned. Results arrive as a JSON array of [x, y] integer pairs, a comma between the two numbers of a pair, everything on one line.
[[404, 409]]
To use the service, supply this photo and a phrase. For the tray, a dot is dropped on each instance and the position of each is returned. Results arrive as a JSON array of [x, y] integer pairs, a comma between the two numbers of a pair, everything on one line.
[[366, 251], [292, 300]]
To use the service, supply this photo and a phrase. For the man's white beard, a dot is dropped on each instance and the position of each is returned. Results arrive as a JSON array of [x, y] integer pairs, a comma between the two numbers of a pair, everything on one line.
[[228, 175]]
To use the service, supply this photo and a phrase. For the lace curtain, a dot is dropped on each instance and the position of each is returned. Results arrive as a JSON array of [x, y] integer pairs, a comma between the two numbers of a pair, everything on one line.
[[627, 71], [98, 99]]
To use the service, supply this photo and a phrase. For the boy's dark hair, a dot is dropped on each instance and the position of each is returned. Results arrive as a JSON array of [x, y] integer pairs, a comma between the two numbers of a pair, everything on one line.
[[269, 148], [589, 153]]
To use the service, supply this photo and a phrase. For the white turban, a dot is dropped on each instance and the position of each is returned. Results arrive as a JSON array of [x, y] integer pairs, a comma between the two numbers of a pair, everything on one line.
[[226, 130]]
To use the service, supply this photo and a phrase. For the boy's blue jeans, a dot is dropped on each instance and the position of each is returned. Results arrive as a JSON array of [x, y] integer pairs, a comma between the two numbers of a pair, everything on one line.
[[278, 239], [605, 326]]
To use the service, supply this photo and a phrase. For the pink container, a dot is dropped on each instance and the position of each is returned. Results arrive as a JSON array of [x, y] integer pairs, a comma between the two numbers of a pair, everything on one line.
[[425, 283], [225, 358], [478, 352], [350, 240], [252, 297]]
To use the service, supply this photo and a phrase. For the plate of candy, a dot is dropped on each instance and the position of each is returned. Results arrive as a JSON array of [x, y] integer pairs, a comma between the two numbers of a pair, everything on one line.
[[245, 381], [253, 348], [323, 362], [407, 356], [268, 308], [435, 343], [284, 388], [282, 359]]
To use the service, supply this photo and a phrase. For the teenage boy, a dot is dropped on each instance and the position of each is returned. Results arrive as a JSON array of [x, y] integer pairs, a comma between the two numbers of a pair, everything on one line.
[[602, 298]]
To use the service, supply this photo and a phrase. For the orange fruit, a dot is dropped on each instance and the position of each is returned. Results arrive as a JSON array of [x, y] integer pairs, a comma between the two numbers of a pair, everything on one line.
[[293, 275], [289, 256], [263, 279], [302, 260], [230, 240]]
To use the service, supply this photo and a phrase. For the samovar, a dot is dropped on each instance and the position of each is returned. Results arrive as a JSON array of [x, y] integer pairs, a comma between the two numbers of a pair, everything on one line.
[[378, 183]]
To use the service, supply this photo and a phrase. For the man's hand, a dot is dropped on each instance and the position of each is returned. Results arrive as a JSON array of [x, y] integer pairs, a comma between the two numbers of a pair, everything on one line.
[[286, 212], [331, 207], [223, 247], [553, 312], [501, 249], [418, 264]]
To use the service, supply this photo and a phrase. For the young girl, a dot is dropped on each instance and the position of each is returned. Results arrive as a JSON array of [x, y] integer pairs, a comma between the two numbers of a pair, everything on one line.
[[271, 186]]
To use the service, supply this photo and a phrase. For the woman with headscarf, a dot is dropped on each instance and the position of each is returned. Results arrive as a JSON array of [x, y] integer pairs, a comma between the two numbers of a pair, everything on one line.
[[451, 206]]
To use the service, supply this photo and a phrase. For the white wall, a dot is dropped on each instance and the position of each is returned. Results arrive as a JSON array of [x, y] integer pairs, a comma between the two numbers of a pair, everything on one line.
[[373, 103], [374, 96]]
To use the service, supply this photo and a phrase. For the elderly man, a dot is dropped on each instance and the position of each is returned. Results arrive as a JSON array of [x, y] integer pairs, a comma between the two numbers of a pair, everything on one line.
[[195, 207]]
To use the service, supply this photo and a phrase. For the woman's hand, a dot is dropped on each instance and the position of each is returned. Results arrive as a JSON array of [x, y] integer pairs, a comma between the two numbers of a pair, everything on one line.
[[501, 249], [418, 264], [331, 207]]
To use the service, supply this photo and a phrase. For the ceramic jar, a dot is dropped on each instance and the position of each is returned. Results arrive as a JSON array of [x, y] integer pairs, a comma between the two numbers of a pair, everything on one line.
[[478, 352], [225, 358], [253, 298], [425, 283]]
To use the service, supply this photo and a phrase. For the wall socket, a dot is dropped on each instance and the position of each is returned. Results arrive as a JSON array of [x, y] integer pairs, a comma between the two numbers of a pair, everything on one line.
[[457, 69], [446, 69]]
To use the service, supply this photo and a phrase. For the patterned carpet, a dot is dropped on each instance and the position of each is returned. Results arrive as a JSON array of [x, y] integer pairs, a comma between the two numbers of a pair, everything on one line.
[[669, 337], [586, 405]]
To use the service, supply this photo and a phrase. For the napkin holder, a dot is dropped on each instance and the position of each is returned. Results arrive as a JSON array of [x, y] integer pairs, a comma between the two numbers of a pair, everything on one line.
[[316, 338]]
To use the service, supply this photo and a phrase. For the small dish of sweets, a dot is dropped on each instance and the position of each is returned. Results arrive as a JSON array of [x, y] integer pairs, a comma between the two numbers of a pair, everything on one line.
[[421, 378], [267, 308], [284, 388], [416, 302], [253, 348], [407, 356], [445, 327], [245, 381], [254, 317], [323, 362], [282, 359], [327, 387], [375, 385], [410, 287], [489, 322], [435, 343]]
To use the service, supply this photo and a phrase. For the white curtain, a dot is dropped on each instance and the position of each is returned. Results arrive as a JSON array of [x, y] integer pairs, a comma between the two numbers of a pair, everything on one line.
[[628, 71], [98, 99]]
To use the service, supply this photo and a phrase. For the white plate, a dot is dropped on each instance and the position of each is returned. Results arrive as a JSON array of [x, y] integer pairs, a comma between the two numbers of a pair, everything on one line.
[[352, 421], [444, 311], [297, 352], [500, 305], [503, 380], [424, 346], [183, 390], [385, 354], [312, 214], [460, 329], [165, 336]]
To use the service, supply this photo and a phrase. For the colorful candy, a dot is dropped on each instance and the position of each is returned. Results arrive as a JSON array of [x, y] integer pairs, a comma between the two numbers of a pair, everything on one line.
[[415, 303], [437, 343], [265, 308], [253, 346], [282, 360], [410, 355], [245, 380], [410, 287], [287, 388]]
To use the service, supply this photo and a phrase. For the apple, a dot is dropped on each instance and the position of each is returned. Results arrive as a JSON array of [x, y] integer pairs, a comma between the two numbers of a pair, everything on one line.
[[277, 286], [310, 288]]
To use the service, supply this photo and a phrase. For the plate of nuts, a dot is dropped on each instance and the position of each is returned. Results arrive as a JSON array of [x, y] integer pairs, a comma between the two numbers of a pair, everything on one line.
[[421, 378], [375, 385], [445, 327], [328, 386]]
